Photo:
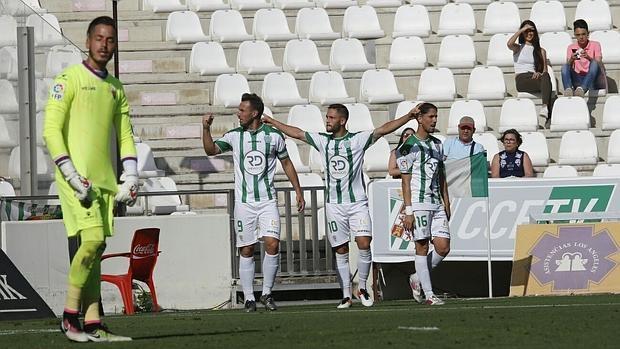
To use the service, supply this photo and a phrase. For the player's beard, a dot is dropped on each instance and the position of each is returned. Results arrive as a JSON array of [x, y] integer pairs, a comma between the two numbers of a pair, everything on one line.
[[102, 62]]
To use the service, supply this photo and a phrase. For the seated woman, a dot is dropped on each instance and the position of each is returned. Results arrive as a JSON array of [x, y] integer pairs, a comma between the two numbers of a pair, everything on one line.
[[511, 162], [392, 166]]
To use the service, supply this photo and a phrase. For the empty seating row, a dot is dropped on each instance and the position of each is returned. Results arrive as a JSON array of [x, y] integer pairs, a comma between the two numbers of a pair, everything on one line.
[[212, 5], [47, 30]]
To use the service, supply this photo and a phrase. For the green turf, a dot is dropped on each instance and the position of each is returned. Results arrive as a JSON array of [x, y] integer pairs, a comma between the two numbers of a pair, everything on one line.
[[532, 322]]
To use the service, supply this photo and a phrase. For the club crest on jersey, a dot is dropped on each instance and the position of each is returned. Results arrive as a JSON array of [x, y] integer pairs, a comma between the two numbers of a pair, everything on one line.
[[254, 162], [57, 91], [338, 167]]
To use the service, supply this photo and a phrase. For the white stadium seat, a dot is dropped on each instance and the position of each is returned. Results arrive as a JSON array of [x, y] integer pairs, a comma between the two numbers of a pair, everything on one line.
[[293, 153], [498, 53], [8, 31], [535, 145], [555, 43], [228, 89], [403, 108], [8, 98], [46, 29], [361, 22], [501, 17], [565, 171], [163, 5], [518, 113], [146, 162], [17, 8], [360, 118], [61, 57], [436, 85], [379, 86], [45, 171], [471, 108], [596, 13], [428, 2], [489, 142], [377, 156], [485, 83], [312, 180], [8, 63], [456, 19], [280, 90], [6, 189], [208, 58], [249, 4], [613, 148], [473, 2], [327, 87], [383, 3], [307, 117], [610, 44], [292, 4], [440, 137], [184, 27], [549, 16], [315, 160], [254, 57], [578, 148], [163, 204], [570, 113], [607, 170], [457, 51], [313, 23], [335, 3], [207, 5], [42, 92], [302, 56], [8, 133], [271, 25], [611, 113], [411, 20], [407, 52], [228, 26], [348, 55]]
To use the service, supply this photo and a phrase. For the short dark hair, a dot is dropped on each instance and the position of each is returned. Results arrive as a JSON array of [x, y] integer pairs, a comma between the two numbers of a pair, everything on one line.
[[426, 107], [580, 23], [340, 109], [255, 101], [515, 133], [105, 20]]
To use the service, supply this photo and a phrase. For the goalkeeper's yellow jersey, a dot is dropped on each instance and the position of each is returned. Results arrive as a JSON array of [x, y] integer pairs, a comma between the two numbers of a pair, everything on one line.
[[79, 116]]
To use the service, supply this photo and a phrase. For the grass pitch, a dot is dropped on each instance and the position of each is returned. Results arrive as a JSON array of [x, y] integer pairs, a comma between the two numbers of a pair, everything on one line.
[[531, 322]]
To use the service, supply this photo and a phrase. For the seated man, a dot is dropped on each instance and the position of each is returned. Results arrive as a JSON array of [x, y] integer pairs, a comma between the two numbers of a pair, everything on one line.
[[455, 148], [583, 62]]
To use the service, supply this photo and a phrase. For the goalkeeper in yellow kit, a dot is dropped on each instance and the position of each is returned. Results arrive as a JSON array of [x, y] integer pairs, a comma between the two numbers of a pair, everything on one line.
[[85, 105]]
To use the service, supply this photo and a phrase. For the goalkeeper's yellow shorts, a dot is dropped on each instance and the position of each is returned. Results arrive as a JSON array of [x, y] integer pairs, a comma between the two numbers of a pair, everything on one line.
[[77, 217]]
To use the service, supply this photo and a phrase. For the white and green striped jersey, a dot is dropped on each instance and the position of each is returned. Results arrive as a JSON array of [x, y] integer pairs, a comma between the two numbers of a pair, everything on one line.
[[423, 159], [343, 160], [255, 153]]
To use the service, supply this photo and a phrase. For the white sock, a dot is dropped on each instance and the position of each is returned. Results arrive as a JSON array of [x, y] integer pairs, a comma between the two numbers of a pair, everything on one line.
[[363, 267], [344, 273], [270, 269], [433, 259], [421, 268], [246, 274]]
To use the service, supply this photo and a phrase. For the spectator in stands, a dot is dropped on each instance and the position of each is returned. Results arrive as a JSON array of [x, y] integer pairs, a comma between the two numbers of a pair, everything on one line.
[[463, 146], [583, 62], [393, 169], [530, 63], [511, 162]]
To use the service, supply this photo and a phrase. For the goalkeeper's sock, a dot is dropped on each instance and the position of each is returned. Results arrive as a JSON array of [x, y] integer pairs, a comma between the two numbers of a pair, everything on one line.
[[363, 267], [92, 292], [246, 274], [344, 273], [270, 269], [421, 268], [433, 259], [73, 300]]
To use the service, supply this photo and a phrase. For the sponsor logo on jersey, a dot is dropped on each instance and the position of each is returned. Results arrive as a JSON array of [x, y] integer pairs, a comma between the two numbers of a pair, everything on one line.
[[254, 162], [338, 167], [57, 91]]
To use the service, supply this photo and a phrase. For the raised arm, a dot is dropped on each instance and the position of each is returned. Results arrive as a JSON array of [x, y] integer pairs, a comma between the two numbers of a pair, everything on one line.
[[207, 139], [291, 173], [288, 130], [512, 42], [393, 125]]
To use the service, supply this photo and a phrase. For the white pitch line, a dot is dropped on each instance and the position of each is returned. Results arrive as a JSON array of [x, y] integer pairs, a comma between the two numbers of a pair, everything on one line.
[[14, 332], [433, 328]]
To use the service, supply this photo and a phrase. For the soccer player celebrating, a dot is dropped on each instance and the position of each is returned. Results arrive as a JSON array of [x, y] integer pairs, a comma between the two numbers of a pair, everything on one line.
[[425, 194], [85, 103], [346, 208], [255, 147]]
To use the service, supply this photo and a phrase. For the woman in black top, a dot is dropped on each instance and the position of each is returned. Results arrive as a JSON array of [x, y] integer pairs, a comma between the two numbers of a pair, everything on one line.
[[511, 162], [393, 169]]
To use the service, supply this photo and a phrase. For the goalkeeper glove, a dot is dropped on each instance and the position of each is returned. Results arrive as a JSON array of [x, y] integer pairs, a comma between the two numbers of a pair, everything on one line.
[[128, 191], [80, 184]]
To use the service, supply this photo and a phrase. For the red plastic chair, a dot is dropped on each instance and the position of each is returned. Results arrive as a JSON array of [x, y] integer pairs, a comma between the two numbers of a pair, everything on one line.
[[142, 259]]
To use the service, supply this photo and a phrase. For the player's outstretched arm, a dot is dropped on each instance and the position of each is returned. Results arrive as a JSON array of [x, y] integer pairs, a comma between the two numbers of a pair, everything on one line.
[[291, 173], [393, 125], [288, 130], [207, 139]]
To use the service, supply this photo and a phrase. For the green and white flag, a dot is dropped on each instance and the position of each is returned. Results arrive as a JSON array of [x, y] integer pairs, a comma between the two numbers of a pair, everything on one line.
[[12, 210], [468, 177]]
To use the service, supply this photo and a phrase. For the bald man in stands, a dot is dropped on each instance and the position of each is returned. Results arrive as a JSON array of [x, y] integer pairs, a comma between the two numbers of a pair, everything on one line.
[[463, 146]]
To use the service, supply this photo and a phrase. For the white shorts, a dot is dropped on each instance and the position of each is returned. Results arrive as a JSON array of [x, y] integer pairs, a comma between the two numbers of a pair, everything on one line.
[[256, 220], [430, 224], [346, 220]]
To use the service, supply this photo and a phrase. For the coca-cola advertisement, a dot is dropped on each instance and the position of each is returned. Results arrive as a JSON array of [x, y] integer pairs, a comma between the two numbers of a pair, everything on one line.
[[144, 250]]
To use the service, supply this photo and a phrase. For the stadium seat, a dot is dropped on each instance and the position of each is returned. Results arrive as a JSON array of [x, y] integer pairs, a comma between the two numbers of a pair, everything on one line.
[[384, 3], [280, 90], [228, 26], [307, 117], [292, 4], [146, 162], [42, 92], [249, 4], [254, 57], [456, 19], [578, 148], [555, 43], [440, 137], [361, 22], [359, 118], [311, 180], [611, 113], [271, 25], [411, 20], [501, 17], [315, 160], [46, 29], [184, 27], [22, 8], [335, 3], [403, 108], [436, 85], [6, 189], [377, 156], [473, 2], [8, 133], [45, 171], [302, 56], [549, 17], [518, 113], [407, 52], [348, 55], [570, 113], [208, 58], [167, 204], [8, 63], [293, 154], [610, 44], [327, 87], [554, 86], [486, 83], [535, 145], [8, 98], [607, 170], [163, 5], [498, 53], [472, 108], [60, 57], [379, 86], [613, 148], [313, 23], [555, 171], [428, 2], [142, 258], [457, 51], [489, 142], [207, 5], [596, 13], [228, 89], [8, 31]]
